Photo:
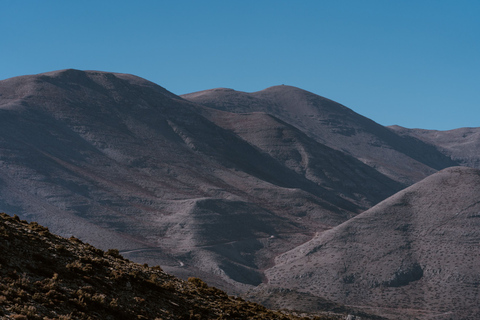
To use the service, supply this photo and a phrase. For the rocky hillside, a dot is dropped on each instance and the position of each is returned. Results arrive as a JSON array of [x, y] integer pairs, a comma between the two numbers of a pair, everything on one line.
[[462, 144], [43, 276], [403, 158], [417, 251], [121, 162]]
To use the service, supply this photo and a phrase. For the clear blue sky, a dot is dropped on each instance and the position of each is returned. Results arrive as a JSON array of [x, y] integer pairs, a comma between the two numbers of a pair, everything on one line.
[[411, 63]]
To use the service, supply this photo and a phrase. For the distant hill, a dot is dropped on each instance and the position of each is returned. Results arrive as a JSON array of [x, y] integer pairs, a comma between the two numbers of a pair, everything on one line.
[[330, 168], [46, 276], [417, 251], [462, 145], [404, 159]]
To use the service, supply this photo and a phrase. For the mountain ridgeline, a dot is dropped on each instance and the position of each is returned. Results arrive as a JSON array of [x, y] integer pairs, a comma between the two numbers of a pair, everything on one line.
[[232, 186]]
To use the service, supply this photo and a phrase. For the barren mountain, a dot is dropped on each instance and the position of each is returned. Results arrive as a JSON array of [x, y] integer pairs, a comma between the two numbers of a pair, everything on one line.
[[121, 162], [318, 163], [414, 255], [402, 158], [262, 190], [462, 145]]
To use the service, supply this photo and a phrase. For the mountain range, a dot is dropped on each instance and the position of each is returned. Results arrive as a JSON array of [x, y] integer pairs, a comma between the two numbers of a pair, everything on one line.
[[232, 187]]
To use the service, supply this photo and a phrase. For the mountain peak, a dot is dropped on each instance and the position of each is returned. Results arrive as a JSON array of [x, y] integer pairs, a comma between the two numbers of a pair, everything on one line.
[[284, 88], [75, 75], [72, 84], [336, 126]]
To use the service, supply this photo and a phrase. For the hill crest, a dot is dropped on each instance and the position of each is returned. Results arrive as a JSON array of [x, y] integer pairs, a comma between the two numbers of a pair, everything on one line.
[[427, 254], [336, 126]]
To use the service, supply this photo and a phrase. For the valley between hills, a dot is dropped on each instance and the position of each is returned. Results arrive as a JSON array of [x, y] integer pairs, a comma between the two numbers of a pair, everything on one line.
[[281, 196]]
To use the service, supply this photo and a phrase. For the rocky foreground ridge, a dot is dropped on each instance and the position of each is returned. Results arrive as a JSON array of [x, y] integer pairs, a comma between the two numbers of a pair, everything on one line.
[[44, 276]]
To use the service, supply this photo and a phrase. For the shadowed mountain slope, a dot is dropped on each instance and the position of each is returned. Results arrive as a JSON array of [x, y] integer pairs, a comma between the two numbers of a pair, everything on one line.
[[43, 276], [121, 162], [414, 255], [320, 164], [462, 145], [404, 159]]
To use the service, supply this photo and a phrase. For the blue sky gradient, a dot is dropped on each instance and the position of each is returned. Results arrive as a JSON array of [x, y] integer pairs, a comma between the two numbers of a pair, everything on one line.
[[411, 63]]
